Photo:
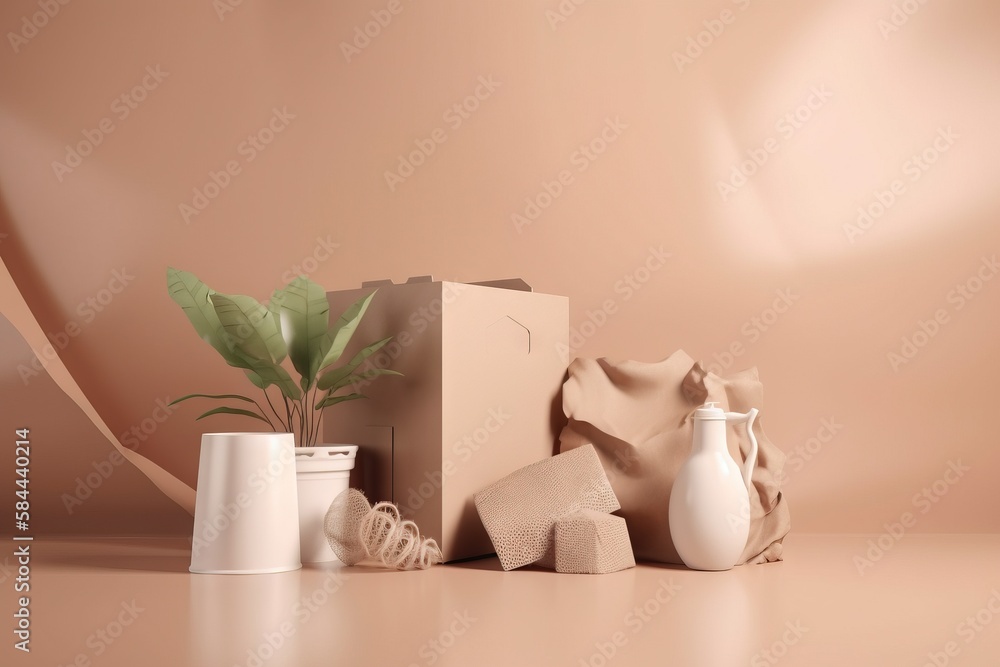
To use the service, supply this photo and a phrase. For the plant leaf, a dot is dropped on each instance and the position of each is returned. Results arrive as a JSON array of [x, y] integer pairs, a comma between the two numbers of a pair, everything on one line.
[[274, 307], [257, 380], [341, 332], [337, 374], [250, 326], [225, 410], [194, 298], [305, 316], [184, 398], [361, 377], [270, 373], [333, 400]]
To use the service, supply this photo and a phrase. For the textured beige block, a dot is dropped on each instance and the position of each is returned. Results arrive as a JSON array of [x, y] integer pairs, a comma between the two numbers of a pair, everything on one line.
[[520, 510], [590, 542]]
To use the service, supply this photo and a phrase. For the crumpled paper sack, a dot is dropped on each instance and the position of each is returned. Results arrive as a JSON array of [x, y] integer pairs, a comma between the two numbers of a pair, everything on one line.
[[639, 418]]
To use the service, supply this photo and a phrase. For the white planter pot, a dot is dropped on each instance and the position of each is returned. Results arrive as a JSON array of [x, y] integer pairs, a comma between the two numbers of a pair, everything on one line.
[[322, 472], [246, 494]]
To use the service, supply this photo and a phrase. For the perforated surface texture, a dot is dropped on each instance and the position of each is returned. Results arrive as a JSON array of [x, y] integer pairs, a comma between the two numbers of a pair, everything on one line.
[[590, 542], [520, 510]]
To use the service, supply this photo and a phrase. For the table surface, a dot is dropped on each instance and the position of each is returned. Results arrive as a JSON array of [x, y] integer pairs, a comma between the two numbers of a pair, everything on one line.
[[924, 599]]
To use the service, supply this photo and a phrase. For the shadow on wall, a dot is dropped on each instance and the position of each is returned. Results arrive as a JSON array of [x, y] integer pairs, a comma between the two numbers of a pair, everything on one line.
[[79, 484]]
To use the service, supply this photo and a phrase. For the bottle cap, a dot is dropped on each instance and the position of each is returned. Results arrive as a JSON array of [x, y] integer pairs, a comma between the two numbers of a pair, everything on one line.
[[710, 411]]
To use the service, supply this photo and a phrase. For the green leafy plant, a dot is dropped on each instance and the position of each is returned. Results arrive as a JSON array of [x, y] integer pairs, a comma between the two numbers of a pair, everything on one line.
[[294, 325]]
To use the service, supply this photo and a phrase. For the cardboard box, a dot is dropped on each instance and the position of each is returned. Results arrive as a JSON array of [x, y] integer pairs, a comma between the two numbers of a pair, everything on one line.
[[483, 367]]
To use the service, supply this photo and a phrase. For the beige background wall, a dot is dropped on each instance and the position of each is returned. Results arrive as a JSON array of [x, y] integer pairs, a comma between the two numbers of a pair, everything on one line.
[[665, 134]]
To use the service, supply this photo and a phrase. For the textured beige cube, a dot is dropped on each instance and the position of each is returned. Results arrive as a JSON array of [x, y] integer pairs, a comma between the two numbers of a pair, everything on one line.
[[520, 510], [590, 542]]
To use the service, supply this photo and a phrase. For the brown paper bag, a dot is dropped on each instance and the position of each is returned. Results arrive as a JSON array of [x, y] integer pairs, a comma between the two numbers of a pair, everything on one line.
[[639, 418]]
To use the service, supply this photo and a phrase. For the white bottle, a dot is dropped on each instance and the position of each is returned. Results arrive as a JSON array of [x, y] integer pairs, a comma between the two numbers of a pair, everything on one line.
[[710, 501]]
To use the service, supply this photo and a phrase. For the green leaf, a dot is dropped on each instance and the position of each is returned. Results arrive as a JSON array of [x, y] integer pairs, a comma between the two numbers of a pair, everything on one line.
[[361, 377], [257, 380], [333, 400], [305, 316], [194, 297], [274, 307], [270, 373], [184, 398], [250, 326], [341, 332], [337, 374], [224, 410]]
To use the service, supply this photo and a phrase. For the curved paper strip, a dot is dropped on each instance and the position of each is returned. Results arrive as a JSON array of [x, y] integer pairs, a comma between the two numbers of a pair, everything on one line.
[[16, 309]]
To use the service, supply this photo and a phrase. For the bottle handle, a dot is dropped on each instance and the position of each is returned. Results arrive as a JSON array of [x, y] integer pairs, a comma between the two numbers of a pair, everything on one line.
[[749, 418]]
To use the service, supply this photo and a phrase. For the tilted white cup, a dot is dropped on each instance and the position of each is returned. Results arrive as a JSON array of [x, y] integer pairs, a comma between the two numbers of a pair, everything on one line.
[[246, 517]]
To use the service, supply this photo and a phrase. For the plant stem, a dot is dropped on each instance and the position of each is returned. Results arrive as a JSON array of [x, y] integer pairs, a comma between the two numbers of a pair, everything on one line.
[[309, 417], [307, 414], [276, 415], [304, 442], [303, 425], [312, 417], [291, 428], [264, 415], [318, 414]]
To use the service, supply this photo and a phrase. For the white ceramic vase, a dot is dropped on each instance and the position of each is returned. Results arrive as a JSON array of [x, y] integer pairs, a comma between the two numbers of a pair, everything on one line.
[[246, 509], [323, 472], [709, 510]]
